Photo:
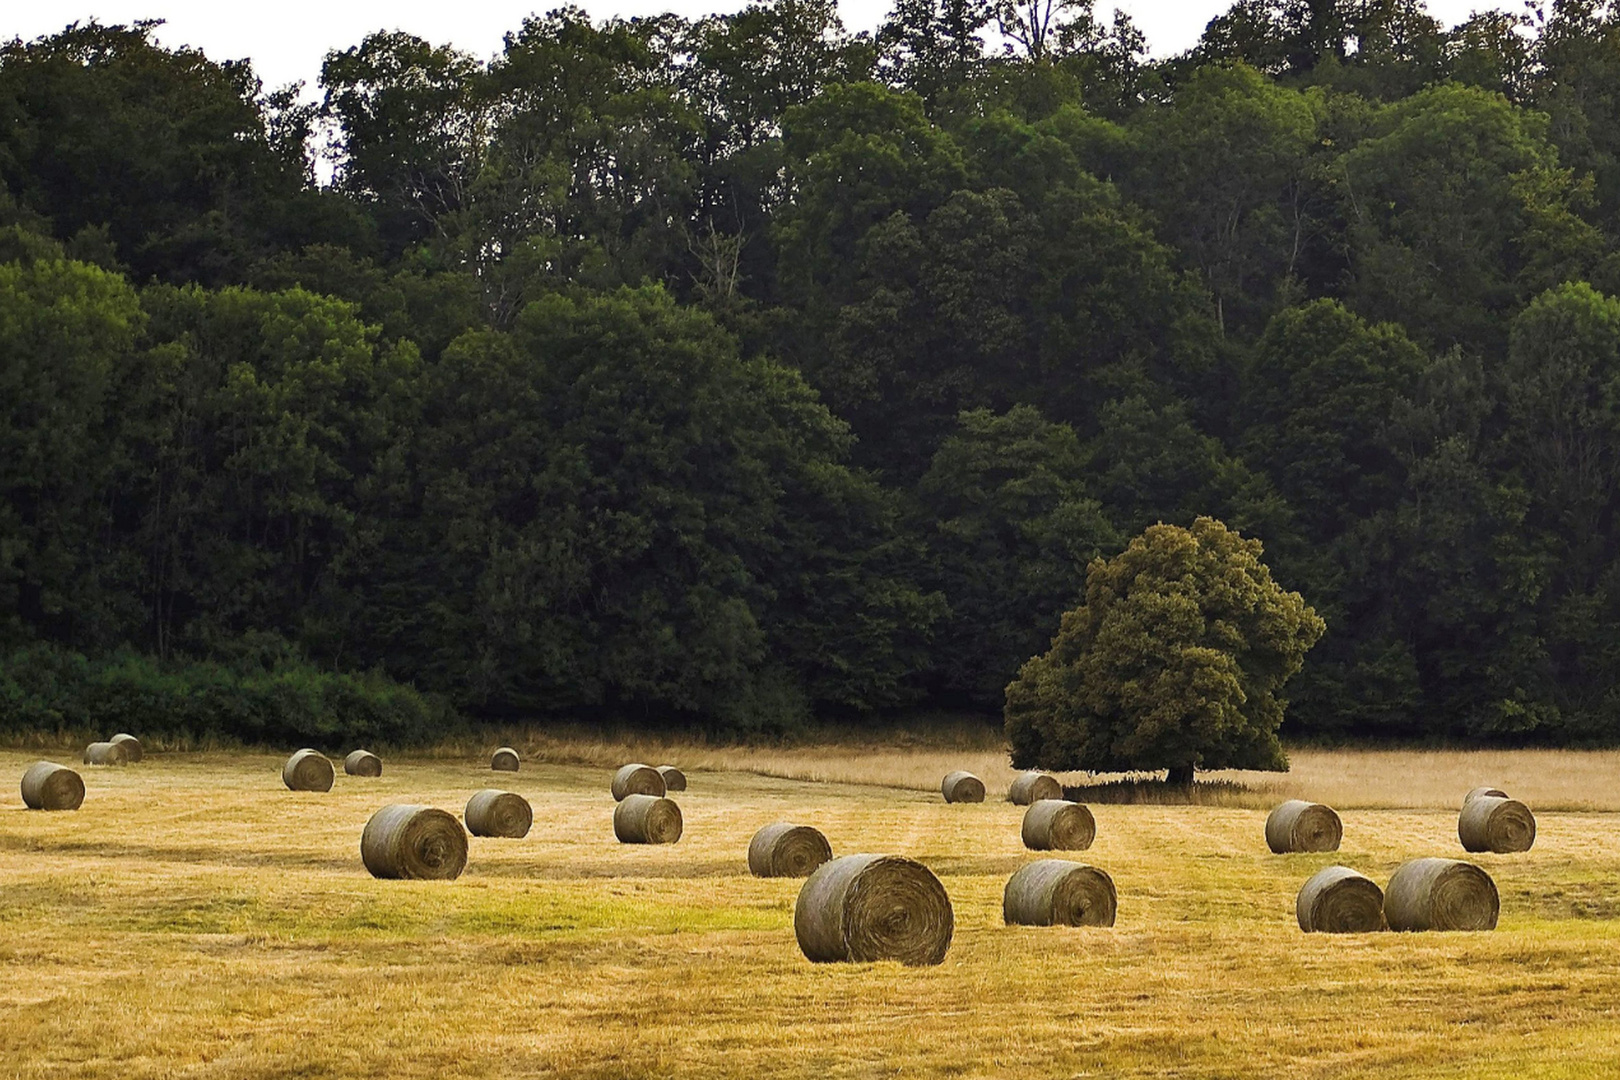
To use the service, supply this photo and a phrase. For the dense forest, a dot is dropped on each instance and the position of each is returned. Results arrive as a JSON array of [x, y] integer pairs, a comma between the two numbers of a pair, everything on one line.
[[736, 371]]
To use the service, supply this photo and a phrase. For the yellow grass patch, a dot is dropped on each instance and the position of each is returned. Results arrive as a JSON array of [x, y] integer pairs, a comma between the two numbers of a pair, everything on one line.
[[195, 918]]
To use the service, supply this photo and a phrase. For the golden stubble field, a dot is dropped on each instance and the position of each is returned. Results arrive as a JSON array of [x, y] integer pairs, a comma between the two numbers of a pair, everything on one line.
[[195, 918]]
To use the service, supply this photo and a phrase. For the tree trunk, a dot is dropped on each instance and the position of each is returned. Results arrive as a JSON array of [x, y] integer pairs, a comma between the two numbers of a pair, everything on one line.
[[1181, 776]]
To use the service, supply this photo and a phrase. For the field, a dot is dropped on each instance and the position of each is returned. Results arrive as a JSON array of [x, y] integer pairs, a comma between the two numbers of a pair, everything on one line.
[[196, 919]]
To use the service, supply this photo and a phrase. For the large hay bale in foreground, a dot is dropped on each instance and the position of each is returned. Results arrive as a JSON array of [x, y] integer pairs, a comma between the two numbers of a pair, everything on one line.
[[362, 763], [49, 786], [498, 813], [962, 786], [417, 842], [1339, 900], [1057, 892], [1031, 787], [787, 850], [1298, 825], [647, 819], [674, 779], [132, 746], [1441, 894], [1058, 825], [863, 908], [308, 770], [638, 780], [1486, 790], [1495, 823], [504, 760], [106, 753]]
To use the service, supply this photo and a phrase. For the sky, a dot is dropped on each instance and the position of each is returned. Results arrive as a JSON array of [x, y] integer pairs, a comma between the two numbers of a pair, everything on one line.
[[290, 46]]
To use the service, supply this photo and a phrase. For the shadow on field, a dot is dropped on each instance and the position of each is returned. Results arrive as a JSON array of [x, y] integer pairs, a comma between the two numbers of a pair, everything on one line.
[[1160, 793], [196, 856]]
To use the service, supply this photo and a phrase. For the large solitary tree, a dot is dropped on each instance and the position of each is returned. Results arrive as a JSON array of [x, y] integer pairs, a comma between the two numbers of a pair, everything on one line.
[[1174, 661]]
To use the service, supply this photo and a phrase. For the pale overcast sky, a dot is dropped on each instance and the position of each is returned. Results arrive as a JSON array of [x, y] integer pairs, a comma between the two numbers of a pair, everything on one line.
[[287, 40]]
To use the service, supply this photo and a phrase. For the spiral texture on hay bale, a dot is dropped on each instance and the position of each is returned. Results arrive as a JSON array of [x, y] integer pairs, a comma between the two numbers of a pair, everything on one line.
[[1058, 825], [962, 786], [308, 770], [1032, 787], [638, 780], [674, 779], [1339, 900], [862, 908], [498, 813], [106, 753], [1298, 825], [49, 786], [1057, 892], [1495, 823], [787, 850], [504, 760], [647, 819], [132, 746], [1441, 894], [362, 763], [417, 842]]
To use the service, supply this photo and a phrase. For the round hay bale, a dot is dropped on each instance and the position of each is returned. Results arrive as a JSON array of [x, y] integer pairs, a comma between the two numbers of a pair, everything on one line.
[[1031, 787], [131, 745], [418, 842], [49, 786], [674, 779], [1441, 894], [498, 813], [1058, 825], [308, 770], [647, 819], [1487, 790], [785, 850], [1298, 825], [362, 763], [962, 786], [862, 908], [1339, 900], [638, 780], [1057, 892], [504, 760], [106, 753], [1495, 823]]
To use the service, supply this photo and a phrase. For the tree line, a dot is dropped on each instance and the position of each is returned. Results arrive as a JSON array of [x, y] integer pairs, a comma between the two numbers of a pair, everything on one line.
[[737, 370]]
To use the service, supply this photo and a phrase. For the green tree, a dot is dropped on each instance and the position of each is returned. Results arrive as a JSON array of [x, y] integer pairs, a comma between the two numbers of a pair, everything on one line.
[[1176, 659]]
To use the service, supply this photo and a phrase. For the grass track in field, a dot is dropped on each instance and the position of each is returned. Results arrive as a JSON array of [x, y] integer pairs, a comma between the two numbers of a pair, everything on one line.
[[195, 918]]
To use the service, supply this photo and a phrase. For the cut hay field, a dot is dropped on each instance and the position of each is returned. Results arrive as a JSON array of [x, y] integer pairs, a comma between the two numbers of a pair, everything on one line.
[[196, 919]]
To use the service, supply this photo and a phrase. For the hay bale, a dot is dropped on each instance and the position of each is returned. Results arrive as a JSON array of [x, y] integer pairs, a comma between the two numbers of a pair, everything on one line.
[[1441, 894], [1298, 825], [106, 753], [862, 908], [362, 763], [1057, 892], [1339, 900], [504, 760], [1495, 823], [308, 770], [132, 746], [962, 786], [1055, 824], [1487, 790], [49, 786], [418, 842], [784, 850], [637, 780], [498, 813], [647, 819], [1031, 787], [674, 779]]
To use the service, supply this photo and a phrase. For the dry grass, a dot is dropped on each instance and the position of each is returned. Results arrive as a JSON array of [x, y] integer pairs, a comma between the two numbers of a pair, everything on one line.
[[197, 919]]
